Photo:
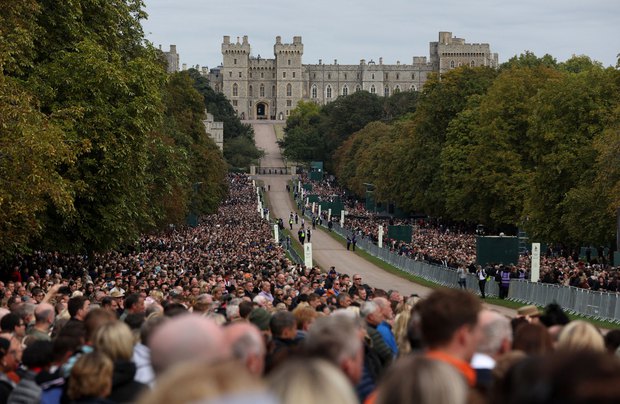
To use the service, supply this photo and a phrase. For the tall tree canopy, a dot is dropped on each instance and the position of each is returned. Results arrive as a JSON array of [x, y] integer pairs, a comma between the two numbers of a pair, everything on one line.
[[98, 144]]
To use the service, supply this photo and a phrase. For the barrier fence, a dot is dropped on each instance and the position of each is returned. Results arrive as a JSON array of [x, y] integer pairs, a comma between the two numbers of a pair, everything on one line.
[[592, 304]]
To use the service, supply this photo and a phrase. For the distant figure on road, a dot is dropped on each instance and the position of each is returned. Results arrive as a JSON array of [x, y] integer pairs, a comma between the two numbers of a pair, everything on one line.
[[354, 241], [308, 234], [348, 242]]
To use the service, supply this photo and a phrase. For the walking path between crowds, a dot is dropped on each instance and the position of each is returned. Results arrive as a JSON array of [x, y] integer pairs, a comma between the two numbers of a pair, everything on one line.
[[326, 251]]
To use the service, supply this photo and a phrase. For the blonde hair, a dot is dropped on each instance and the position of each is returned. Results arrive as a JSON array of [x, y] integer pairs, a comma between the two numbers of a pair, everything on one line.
[[580, 335], [420, 380], [115, 340], [91, 376], [197, 382], [401, 324], [313, 381]]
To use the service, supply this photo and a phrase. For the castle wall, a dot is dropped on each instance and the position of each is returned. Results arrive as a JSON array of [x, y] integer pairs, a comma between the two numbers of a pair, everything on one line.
[[273, 87]]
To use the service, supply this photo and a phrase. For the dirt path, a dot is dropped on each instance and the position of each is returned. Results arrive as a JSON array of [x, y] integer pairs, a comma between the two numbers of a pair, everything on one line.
[[325, 250]]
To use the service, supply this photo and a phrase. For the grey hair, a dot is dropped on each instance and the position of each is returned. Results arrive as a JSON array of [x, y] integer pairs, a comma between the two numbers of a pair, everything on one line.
[[368, 308]]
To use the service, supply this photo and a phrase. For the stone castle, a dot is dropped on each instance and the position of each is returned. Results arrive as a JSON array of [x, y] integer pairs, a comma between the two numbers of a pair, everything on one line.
[[260, 88]]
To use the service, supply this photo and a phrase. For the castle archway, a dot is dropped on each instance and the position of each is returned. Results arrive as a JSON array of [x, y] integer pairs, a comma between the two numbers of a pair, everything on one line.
[[262, 111]]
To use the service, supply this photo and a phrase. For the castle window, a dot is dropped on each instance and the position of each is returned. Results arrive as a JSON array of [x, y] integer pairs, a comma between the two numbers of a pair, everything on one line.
[[372, 76], [386, 91], [386, 76], [239, 74], [329, 76], [358, 76], [283, 75], [396, 89], [328, 91], [412, 76], [234, 103], [293, 74], [373, 90], [250, 91], [250, 74], [313, 91], [273, 91], [413, 87], [452, 64], [345, 90], [261, 90], [397, 76], [314, 75], [358, 88], [229, 74], [262, 75], [289, 62], [345, 76], [289, 90], [289, 103], [472, 63], [235, 90], [235, 61]]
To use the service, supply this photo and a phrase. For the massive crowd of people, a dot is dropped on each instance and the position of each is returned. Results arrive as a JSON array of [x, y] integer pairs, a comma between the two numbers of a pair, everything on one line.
[[218, 313], [454, 247]]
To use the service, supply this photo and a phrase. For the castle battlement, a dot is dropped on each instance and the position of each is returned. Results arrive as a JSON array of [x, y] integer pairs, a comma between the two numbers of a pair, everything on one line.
[[260, 88]]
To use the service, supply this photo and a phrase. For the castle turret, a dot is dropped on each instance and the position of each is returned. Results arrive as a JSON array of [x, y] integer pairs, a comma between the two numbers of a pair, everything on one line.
[[236, 60], [289, 77]]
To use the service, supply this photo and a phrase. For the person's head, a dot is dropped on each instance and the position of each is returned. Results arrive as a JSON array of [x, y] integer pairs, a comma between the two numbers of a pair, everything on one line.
[[44, 314], [385, 306], [311, 381], [247, 346], [186, 337], [371, 312], [10, 354], [580, 335], [420, 380], [94, 320], [197, 382], [78, 307], [305, 316], [134, 303], [338, 339], [581, 376], [283, 325], [533, 339], [91, 377], [115, 339], [344, 300], [12, 324], [449, 322], [109, 303], [496, 334], [38, 355]]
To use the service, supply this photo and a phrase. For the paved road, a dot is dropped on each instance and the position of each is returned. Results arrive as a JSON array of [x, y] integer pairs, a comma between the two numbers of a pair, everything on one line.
[[325, 250]]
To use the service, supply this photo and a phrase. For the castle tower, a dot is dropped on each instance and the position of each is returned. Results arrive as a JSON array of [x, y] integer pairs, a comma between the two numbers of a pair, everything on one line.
[[236, 61], [289, 77]]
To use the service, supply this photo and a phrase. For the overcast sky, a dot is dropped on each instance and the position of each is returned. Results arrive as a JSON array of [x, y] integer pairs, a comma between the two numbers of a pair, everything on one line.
[[397, 30]]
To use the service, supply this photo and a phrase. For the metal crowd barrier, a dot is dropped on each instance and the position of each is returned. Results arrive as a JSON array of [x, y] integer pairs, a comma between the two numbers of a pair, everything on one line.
[[591, 304]]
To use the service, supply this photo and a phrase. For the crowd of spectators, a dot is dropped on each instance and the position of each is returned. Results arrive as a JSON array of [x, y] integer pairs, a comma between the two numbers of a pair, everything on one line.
[[218, 313], [455, 247]]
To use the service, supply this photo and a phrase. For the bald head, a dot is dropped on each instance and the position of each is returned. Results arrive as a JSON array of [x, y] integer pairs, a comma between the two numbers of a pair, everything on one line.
[[496, 333], [44, 313], [185, 338], [247, 345]]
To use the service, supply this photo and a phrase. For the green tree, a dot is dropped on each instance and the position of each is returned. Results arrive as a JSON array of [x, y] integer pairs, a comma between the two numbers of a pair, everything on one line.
[[529, 59], [566, 119], [239, 148], [32, 149], [420, 185], [485, 161], [303, 140]]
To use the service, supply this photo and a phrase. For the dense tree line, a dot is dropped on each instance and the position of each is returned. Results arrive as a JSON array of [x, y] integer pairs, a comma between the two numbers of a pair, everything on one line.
[[239, 148], [534, 144], [97, 142]]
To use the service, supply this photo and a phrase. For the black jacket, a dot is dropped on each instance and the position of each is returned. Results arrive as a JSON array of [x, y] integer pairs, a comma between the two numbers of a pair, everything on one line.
[[124, 388]]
